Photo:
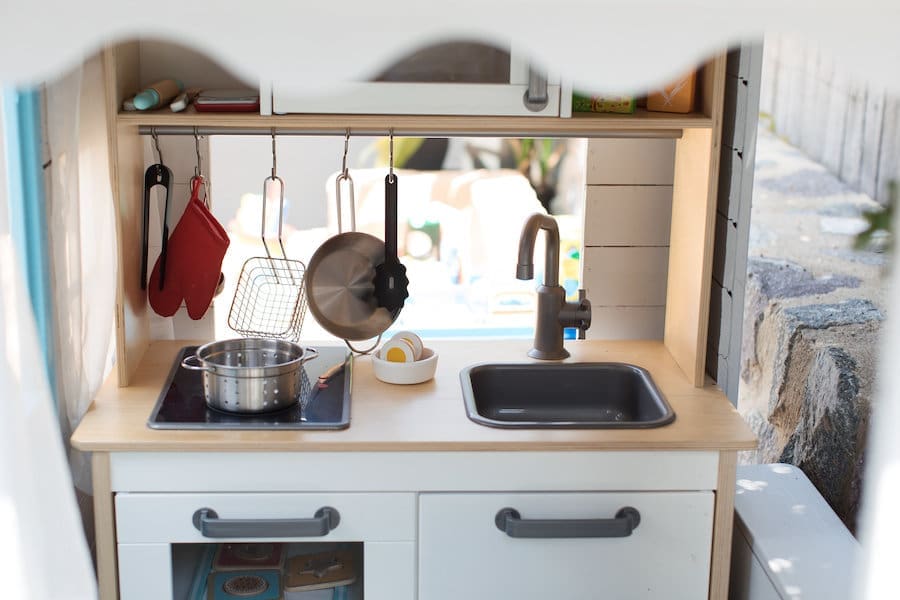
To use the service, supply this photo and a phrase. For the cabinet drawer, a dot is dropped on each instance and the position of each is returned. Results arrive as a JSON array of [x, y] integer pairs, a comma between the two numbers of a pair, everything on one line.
[[171, 518], [464, 554]]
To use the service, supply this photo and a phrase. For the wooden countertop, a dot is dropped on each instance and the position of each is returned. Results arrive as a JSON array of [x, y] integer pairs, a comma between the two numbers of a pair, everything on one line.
[[424, 417]]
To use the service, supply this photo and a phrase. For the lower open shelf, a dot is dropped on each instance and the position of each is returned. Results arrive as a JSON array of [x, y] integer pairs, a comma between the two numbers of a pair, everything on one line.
[[248, 571]]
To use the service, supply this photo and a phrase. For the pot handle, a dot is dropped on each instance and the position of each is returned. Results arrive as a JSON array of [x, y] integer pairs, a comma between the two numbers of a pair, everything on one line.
[[309, 354], [193, 367]]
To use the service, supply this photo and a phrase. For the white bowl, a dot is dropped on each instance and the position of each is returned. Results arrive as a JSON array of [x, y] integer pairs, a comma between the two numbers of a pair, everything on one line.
[[406, 373]]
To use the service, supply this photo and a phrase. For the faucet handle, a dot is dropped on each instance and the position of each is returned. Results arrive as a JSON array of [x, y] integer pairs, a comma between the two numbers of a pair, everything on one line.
[[584, 311], [577, 314]]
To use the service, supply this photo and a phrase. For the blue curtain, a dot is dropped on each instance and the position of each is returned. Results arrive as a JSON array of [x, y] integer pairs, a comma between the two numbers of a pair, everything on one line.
[[28, 209]]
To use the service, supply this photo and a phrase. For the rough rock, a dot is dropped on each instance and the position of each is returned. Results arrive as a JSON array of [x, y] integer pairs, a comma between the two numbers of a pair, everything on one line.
[[785, 279], [813, 310], [826, 442], [812, 382]]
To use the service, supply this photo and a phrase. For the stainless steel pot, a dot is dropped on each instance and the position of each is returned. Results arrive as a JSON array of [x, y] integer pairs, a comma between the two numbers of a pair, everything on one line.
[[250, 375]]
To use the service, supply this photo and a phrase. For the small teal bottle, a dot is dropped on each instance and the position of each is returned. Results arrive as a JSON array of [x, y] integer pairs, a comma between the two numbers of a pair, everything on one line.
[[157, 94]]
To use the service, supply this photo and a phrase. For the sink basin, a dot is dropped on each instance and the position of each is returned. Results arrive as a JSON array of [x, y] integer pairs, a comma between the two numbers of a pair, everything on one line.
[[573, 395]]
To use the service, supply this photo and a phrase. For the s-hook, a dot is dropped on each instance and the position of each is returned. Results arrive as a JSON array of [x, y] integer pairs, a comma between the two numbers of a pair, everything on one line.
[[198, 170], [391, 154], [158, 174], [155, 137], [268, 182], [344, 175]]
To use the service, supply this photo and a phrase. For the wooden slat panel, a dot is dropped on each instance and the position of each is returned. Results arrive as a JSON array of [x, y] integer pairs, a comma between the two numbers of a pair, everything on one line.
[[854, 130], [871, 145], [618, 215], [630, 162], [633, 276], [835, 122], [721, 274], [735, 104], [627, 323], [784, 74], [889, 160], [731, 173], [816, 81]]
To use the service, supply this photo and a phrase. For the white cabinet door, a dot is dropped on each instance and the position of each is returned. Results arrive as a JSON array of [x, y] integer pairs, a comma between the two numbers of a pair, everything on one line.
[[175, 518], [159, 535], [464, 554]]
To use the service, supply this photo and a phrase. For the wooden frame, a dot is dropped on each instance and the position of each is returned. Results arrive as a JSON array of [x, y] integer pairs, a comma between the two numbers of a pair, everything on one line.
[[127, 162], [694, 191], [723, 527], [105, 526]]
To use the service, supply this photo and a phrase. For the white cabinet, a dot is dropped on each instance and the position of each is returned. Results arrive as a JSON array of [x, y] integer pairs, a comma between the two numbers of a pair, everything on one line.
[[425, 524], [158, 532], [452, 78], [463, 553]]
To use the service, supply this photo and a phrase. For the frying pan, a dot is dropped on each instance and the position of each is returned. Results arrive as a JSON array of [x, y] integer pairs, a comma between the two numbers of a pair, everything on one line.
[[340, 280]]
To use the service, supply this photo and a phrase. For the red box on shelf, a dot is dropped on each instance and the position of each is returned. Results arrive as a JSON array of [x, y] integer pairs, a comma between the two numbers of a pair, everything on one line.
[[227, 101]]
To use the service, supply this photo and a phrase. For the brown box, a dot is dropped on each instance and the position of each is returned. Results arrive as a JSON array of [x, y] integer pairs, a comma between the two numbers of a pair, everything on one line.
[[676, 97]]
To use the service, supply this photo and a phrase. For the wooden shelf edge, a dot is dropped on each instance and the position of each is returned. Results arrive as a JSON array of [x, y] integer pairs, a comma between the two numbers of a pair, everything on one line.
[[217, 443], [581, 124]]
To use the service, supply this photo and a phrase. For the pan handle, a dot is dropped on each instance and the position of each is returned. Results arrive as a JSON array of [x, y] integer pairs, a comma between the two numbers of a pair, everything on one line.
[[186, 363], [309, 354], [345, 176], [367, 350], [279, 182]]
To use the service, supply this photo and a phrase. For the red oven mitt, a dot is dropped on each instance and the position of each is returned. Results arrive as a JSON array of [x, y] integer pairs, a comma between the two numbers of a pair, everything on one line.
[[209, 243], [195, 253]]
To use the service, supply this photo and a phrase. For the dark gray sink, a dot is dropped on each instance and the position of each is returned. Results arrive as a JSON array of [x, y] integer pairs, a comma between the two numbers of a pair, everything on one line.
[[573, 395]]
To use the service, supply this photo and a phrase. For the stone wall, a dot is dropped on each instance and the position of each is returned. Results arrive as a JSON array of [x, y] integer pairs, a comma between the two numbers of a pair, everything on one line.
[[808, 371], [813, 311]]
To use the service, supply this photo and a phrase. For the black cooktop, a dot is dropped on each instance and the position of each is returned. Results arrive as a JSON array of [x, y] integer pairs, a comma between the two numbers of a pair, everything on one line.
[[323, 405]]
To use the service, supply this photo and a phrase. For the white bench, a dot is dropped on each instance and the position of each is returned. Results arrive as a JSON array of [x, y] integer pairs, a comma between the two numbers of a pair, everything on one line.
[[788, 544]]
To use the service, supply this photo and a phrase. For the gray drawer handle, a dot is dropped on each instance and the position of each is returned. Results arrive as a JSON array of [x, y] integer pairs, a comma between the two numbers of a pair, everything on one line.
[[509, 521], [207, 521]]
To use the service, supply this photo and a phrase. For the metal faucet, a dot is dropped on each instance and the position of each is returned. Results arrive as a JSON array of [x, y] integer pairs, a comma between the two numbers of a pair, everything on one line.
[[553, 312]]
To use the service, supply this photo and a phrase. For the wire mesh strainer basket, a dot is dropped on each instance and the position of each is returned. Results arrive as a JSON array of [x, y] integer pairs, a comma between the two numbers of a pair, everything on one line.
[[270, 298]]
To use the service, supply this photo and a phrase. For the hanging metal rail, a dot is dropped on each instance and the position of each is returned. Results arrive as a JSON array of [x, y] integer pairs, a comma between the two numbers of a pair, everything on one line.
[[412, 132]]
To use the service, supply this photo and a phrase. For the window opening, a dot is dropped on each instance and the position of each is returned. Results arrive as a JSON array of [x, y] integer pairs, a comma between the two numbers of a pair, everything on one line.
[[462, 204]]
